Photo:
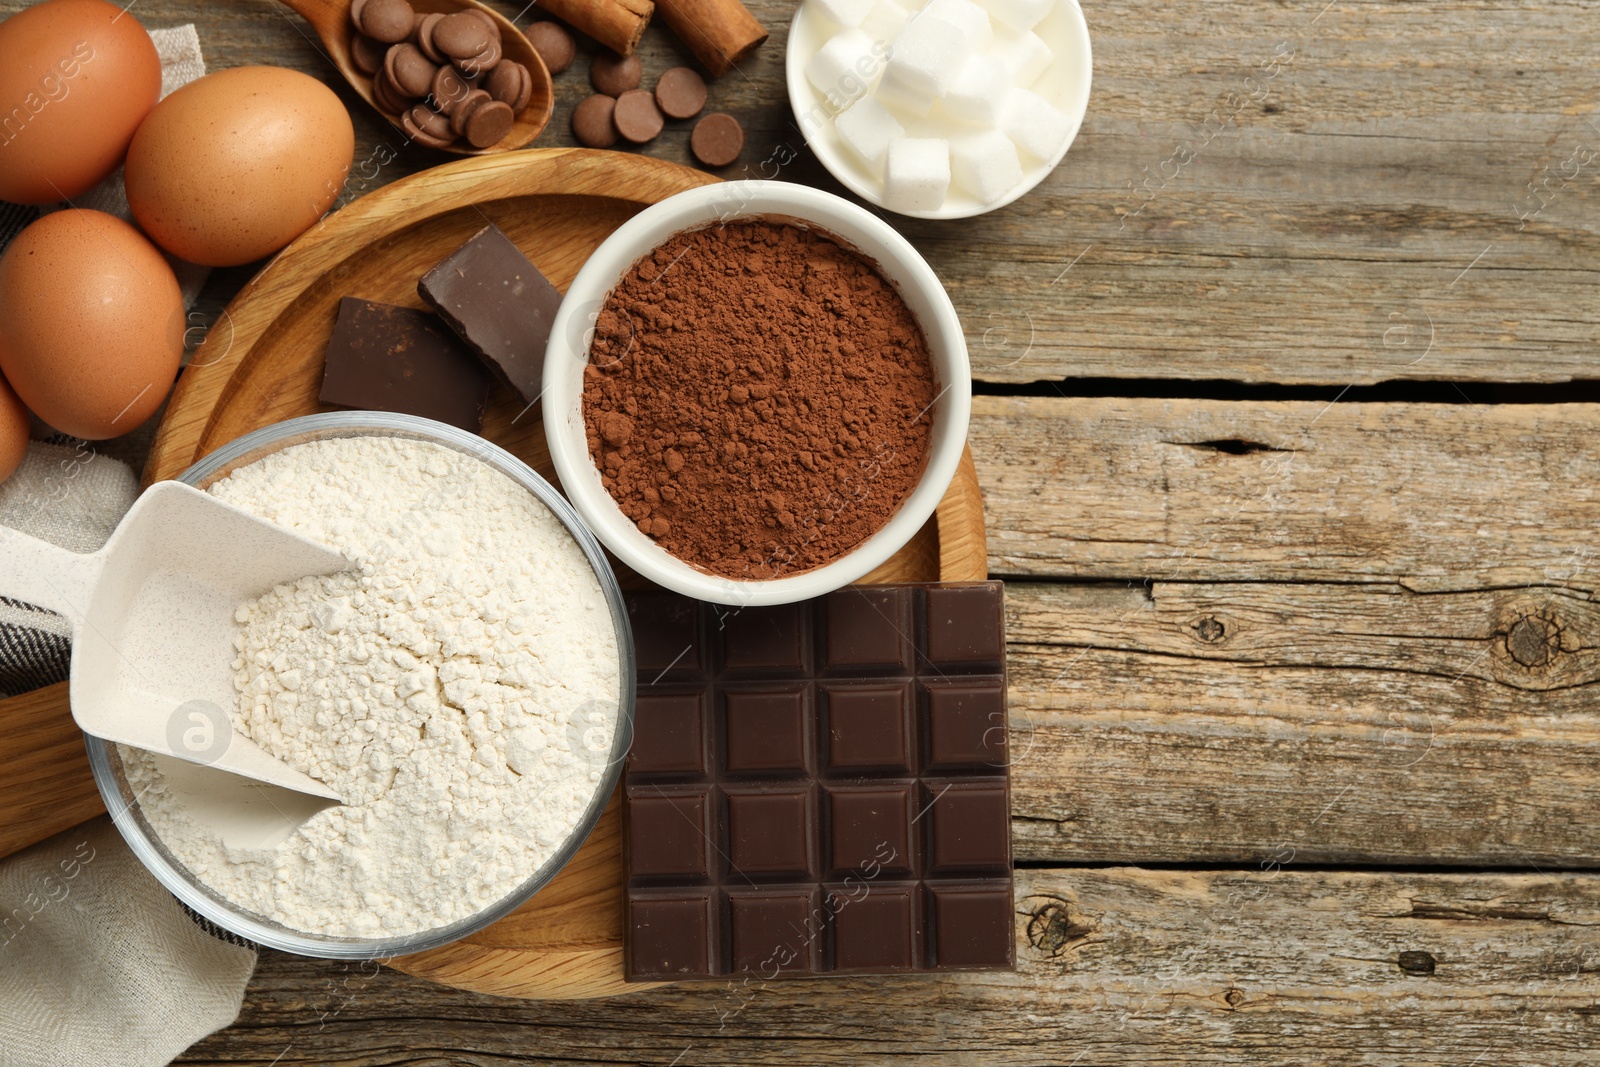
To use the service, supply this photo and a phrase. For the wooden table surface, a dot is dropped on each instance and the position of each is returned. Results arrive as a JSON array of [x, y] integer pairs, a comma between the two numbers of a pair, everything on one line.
[[1290, 453]]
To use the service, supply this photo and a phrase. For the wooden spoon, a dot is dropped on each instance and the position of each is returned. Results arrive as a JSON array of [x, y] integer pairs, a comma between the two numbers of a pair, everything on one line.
[[331, 20]]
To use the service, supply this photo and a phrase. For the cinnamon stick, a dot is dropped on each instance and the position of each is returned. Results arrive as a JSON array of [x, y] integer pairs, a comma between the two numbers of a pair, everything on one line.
[[721, 33], [617, 24]]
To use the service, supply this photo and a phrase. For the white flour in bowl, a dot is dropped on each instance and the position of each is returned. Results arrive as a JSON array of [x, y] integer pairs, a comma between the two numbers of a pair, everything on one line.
[[459, 689]]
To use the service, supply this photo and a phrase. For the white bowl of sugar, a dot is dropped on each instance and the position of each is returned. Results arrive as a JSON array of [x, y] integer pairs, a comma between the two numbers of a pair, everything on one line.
[[944, 109]]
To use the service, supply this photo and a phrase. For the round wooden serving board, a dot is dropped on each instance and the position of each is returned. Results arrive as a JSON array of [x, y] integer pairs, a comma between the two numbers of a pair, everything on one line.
[[262, 362]]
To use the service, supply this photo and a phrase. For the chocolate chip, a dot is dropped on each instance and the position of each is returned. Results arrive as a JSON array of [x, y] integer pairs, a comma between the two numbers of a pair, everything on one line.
[[591, 122], [389, 21], [387, 95], [554, 45], [430, 121], [366, 53], [459, 36], [510, 83], [459, 114], [614, 75], [449, 89], [637, 118], [481, 62], [717, 139], [409, 70], [427, 127], [488, 20], [489, 122], [416, 26], [355, 12], [681, 93], [425, 37]]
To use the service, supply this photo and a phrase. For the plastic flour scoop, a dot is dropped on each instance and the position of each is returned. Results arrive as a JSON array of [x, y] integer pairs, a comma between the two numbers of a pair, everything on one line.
[[152, 617]]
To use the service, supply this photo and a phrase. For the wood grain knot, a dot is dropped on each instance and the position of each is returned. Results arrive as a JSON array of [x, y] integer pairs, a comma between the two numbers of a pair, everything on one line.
[[1417, 963], [1208, 628], [1051, 928], [1234, 997], [1534, 640]]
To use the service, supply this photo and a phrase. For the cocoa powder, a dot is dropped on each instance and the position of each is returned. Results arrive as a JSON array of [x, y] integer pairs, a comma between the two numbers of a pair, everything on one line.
[[758, 398]]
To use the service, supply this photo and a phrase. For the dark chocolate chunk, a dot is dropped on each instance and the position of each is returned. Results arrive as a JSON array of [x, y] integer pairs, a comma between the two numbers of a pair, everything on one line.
[[869, 629], [965, 624], [971, 826], [770, 833], [766, 732], [668, 734], [670, 936], [877, 930], [870, 825], [868, 727], [774, 930], [822, 782], [971, 925], [501, 306], [392, 358], [764, 639], [668, 833], [966, 724]]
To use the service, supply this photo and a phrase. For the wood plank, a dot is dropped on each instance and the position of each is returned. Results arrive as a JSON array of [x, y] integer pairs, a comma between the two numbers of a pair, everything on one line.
[[1432, 497], [1295, 639], [1137, 739], [45, 783], [1116, 966], [1314, 226]]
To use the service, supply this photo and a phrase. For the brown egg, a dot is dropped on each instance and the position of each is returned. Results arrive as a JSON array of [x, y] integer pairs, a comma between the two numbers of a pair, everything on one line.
[[13, 431], [234, 166], [76, 79], [93, 330]]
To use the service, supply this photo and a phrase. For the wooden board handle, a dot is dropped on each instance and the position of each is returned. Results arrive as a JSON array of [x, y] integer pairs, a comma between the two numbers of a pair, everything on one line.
[[45, 783]]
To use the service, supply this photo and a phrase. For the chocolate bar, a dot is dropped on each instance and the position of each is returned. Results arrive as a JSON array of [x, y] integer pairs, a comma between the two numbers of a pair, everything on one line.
[[389, 358], [819, 787], [499, 304]]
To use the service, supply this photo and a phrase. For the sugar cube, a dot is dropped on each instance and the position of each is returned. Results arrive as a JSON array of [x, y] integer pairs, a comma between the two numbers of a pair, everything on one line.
[[1020, 14], [1038, 128], [979, 91], [964, 15], [916, 174], [913, 103], [842, 13], [885, 19], [985, 165], [1025, 56], [841, 70], [925, 56], [868, 128]]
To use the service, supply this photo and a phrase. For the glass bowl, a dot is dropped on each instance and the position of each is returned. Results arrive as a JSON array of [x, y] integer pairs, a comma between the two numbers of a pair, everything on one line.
[[120, 800]]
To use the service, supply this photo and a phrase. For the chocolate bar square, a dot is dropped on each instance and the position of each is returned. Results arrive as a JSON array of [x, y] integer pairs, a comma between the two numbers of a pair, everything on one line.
[[671, 935], [773, 930], [387, 358], [868, 727], [851, 813], [668, 734]]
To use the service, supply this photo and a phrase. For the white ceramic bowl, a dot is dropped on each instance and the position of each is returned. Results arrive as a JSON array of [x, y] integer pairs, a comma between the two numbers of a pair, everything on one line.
[[1065, 83], [568, 354]]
